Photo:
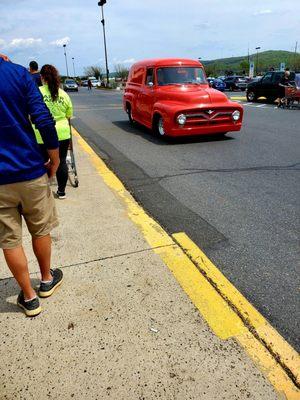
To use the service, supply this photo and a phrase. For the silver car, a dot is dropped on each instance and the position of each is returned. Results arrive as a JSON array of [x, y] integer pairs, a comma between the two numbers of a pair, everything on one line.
[[70, 85]]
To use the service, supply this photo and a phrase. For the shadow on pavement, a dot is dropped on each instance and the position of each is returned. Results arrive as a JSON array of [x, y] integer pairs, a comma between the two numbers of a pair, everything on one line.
[[140, 130], [8, 289]]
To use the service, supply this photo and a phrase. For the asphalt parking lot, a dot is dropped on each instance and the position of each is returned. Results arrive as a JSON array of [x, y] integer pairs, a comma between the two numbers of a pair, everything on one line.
[[236, 197]]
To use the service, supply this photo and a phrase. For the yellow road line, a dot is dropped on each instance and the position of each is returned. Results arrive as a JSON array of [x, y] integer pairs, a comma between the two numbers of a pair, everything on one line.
[[215, 308], [238, 98]]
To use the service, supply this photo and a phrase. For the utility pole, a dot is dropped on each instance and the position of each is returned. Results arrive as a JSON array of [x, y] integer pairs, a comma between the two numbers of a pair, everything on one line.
[[248, 57], [257, 48], [65, 52], [73, 67], [295, 56], [101, 4]]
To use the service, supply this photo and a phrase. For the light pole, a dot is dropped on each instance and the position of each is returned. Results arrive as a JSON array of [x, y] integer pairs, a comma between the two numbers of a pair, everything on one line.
[[73, 67], [101, 4], [65, 52], [257, 48]]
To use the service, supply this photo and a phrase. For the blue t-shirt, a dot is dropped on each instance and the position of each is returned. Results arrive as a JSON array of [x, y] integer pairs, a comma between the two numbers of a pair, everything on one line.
[[20, 98], [37, 78]]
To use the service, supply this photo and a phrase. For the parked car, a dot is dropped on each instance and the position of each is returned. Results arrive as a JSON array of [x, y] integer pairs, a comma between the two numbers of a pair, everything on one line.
[[254, 79], [267, 86], [95, 83], [84, 83], [235, 83], [173, 98], [70, 85], [218, 84], [210, 81]]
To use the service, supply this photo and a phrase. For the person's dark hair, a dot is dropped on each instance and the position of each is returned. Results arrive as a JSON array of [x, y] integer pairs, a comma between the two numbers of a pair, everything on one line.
[[33, 65], [51, 76]]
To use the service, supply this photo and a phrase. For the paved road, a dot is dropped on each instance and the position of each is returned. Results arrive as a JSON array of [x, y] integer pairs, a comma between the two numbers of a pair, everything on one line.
[[237, 198]]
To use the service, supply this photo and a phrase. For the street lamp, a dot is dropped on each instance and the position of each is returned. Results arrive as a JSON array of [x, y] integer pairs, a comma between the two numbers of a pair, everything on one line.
[[73, 67], [101, 4], [65, 52], [257, 48]]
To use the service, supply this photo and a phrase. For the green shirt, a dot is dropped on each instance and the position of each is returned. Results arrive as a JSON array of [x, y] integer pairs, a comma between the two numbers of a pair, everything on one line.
[[61, 110]]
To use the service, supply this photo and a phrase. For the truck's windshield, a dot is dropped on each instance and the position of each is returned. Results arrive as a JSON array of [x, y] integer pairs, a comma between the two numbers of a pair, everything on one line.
[[180, 76]]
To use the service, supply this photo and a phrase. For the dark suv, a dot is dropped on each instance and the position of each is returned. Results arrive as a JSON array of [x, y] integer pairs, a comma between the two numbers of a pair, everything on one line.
[[267, 86], [235, 83]]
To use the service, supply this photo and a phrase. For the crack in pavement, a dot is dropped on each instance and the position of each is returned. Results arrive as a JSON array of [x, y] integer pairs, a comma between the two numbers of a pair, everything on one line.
[[195, 171], [99, 259]]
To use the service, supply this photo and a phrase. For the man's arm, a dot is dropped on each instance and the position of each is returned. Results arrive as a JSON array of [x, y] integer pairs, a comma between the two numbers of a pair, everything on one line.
[[41, 117], [5, 58]]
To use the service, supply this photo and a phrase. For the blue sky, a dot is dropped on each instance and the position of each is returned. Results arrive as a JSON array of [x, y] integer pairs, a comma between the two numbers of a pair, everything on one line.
[[138, 29]]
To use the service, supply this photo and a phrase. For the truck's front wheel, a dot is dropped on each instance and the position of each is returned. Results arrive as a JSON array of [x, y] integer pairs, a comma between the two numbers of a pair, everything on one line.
[[251, 96], [129, 113], [159, 126]]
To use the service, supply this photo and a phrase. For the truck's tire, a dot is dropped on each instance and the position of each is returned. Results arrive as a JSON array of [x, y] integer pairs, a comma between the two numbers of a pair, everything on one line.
[[158, 126], [129, 113], [251, 96]]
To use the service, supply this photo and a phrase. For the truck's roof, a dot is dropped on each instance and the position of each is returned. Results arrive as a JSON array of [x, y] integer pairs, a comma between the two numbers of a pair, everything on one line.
[[167, 62]]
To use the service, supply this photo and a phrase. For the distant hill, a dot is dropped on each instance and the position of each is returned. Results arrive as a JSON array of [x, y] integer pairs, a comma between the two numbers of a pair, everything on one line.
[[266, 59]]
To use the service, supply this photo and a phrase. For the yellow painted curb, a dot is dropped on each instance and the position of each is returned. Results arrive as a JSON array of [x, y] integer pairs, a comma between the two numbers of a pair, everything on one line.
[[256, 323], [217, 311]]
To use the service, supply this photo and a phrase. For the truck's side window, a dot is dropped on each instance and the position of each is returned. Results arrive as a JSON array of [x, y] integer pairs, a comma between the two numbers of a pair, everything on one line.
[[137, 76], [277, 77], [149, 76], [267, 78]]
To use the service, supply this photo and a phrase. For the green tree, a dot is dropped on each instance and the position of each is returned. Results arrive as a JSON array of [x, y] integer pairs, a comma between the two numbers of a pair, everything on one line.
[[244, 66], [121, 71], [94, 70]]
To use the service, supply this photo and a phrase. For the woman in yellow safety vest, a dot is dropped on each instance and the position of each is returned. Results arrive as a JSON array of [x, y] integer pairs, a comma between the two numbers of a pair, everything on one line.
[[60, 106]]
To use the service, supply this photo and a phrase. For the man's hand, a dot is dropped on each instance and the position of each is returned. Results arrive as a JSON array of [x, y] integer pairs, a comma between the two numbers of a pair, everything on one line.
[[5, 58], [53, 163]]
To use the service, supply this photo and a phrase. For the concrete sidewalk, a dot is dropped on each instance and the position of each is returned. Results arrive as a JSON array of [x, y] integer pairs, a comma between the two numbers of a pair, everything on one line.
[[120, 327]]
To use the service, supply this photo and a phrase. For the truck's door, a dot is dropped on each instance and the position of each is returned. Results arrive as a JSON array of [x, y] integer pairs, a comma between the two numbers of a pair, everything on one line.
[[147, 97], [265, 87], [276, 90]]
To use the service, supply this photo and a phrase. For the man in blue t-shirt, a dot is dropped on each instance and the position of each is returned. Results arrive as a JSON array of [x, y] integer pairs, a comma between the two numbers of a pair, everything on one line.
[[24, 181], [34, 70]]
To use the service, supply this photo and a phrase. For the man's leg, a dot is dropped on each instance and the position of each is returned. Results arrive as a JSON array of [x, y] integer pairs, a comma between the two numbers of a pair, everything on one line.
[[42, 250], [17, 263], [62, 172]]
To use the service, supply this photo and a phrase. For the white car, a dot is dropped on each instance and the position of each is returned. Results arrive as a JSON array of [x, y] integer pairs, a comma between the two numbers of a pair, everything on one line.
[[95, 83]]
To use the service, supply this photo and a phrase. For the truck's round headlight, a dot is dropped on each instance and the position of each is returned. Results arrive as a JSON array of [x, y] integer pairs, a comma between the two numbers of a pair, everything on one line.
[[181, 119], [236, 115]]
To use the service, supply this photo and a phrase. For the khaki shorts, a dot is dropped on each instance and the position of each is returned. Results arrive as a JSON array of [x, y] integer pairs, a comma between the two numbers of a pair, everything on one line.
[[35, 202]]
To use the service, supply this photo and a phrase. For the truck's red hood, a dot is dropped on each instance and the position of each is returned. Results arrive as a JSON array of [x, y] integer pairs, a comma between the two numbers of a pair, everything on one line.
[[191, 94]]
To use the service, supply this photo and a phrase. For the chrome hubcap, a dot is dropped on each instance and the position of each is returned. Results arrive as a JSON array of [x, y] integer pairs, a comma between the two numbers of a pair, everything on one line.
[[161, 129], [251, 95]]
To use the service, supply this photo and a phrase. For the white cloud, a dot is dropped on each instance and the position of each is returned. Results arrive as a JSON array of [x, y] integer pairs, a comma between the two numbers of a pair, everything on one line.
[[61, 42], [21, 43], [128, 61], [263, 12]]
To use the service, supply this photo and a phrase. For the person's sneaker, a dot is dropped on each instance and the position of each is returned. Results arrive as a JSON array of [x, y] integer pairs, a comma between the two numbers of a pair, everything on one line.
[[31, 308], [61, 195], [47, 289]]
